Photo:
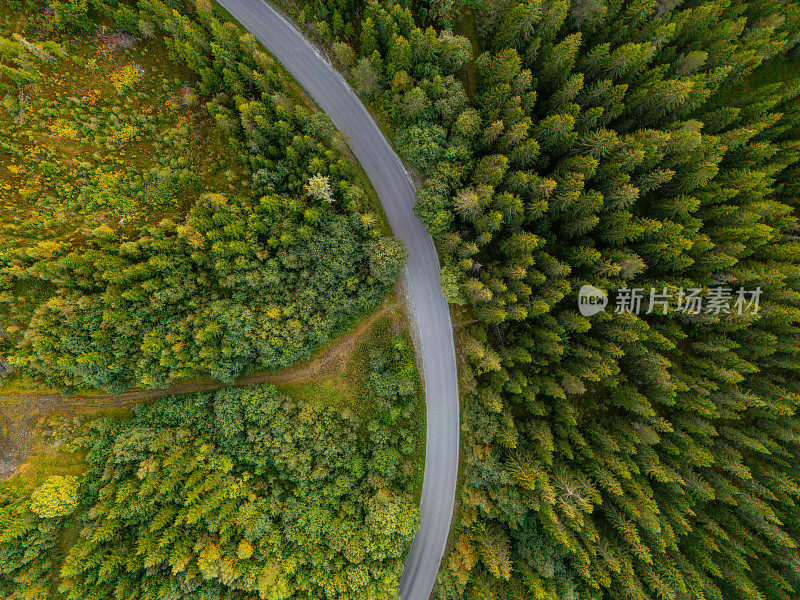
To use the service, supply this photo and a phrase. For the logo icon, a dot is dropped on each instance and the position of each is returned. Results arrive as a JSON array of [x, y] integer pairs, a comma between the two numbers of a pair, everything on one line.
[[591, 300]]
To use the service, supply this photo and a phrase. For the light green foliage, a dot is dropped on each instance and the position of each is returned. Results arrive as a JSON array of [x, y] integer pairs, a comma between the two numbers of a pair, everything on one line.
[[28, 542], [248, 492], [452, 285], [56, 497], [152, 237], [319, 187]]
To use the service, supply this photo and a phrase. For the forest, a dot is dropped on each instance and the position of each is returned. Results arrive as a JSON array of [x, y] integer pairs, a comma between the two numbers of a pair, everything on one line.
[[619, 144], [240, 494], [623, 145], [172, 206]]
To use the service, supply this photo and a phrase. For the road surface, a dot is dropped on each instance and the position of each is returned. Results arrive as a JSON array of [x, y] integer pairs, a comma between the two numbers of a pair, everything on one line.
[[427, 307]]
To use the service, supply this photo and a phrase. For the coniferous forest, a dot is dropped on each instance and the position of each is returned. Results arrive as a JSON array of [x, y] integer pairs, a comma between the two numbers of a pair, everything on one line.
[[622, 145], [619, 144]]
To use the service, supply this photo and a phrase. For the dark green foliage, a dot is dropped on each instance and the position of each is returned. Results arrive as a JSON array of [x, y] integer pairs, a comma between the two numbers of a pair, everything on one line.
[[72, 15], [618, 144]]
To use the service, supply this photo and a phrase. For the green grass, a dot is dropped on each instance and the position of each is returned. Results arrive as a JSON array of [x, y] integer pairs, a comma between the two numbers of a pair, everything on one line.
[[13, 385], [47, 463], [330, 391]]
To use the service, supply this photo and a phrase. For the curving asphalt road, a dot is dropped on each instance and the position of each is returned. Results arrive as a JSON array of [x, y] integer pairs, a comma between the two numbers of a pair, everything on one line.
[[427, 307]]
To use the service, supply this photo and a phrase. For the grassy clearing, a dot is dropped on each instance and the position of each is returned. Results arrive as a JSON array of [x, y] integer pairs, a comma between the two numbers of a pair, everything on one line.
[[47, 463], [110, 134], [111, 137], [333, 391]]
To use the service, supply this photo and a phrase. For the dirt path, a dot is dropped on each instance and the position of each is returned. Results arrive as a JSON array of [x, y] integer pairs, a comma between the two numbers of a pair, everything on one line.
[[21, 412]]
